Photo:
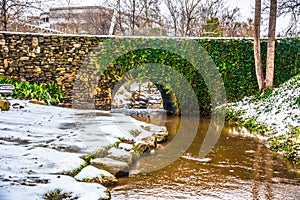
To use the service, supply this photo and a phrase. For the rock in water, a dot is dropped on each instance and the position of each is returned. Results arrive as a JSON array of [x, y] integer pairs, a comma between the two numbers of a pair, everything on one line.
[[120, 154], [117, 168], [92, 174]]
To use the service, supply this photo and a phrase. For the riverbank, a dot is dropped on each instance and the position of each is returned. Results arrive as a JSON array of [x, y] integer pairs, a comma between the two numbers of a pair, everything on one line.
[[273, 116], [48, 151]]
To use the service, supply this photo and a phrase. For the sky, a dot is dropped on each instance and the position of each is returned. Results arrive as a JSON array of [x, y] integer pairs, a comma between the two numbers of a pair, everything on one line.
[[246, 10]]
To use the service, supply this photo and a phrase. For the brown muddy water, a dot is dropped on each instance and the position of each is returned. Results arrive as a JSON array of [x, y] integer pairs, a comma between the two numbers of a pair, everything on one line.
[[241, 167]]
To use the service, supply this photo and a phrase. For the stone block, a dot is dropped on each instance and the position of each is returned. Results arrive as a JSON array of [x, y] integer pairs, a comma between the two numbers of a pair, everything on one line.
[[115, 167]]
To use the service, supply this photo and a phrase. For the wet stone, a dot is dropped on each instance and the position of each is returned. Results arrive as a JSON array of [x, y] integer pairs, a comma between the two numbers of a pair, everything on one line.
[[161, 136], [115, 167], [146, 145], [119, 154]]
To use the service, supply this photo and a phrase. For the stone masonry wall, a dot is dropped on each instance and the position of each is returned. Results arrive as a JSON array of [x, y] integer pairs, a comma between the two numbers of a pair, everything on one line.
[[46, 58]]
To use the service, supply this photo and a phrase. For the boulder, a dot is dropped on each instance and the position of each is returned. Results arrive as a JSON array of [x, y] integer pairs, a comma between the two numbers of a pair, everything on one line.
[[145, 145], [93, 174], [117, 168], [119, 154], [4, 105], [161, 136]]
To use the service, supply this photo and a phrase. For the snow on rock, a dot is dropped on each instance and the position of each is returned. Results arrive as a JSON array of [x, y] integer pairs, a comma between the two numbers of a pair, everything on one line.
[[66, 184], [120, 154], [52, 161], [116, 167], [91, 172], [125, 146]]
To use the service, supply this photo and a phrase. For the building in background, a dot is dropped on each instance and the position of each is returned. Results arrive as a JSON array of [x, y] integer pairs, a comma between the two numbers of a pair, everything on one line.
[[94, 20]]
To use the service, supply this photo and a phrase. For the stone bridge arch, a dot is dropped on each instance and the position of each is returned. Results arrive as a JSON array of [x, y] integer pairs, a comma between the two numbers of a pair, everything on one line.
[[168, 99], [60, 58], [121, 65]]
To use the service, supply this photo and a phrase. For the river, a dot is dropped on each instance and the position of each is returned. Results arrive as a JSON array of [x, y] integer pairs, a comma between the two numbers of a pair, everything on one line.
[[238, 167]]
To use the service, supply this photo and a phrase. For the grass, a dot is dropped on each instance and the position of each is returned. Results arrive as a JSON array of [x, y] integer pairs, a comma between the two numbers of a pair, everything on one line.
[[58, 195], [135, 132]]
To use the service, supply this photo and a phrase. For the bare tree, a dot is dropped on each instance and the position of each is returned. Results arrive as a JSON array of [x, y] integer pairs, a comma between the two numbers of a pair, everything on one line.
[[128, 10], [150, 12], [271, 45], [184, 14], [96, 20], [136, 17], [212, 8], [290, 8], [131, 8], [174, 12], [188, 15], [12, 11], [230, 22], [287, 9], [257, 48], [69, 26]]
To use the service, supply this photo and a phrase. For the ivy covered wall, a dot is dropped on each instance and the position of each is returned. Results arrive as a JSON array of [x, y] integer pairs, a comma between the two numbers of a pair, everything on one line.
[[47, 58]]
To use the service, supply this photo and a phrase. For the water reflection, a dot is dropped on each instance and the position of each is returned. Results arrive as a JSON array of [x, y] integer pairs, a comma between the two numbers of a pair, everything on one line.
[[261, 171], [237, 168]]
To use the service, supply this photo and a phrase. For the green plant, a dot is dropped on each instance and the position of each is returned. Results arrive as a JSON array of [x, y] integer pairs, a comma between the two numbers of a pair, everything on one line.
[[298, 101], [295, 131], [116, 144], [249, 123], [135, 132], [50, 93], [288, 146], [147, 128], [266, 94], [121, 92], [57, 195], [87, 158], [233, 58], [77, 170]]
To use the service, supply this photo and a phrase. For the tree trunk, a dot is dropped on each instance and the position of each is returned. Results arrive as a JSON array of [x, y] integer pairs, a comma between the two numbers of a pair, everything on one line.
[[133, 17], [147, 16], [257, 50], [114, 18], [271, 45], [3, 26]]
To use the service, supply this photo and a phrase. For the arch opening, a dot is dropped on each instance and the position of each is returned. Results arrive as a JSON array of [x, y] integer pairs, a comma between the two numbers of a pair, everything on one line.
[[143, 95]]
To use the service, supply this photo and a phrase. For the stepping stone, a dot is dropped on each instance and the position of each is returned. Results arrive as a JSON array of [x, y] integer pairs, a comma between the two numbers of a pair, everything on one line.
[[161, 136], [145, 145], [120, 154], [93, 174], [126, 146], [117, 168]]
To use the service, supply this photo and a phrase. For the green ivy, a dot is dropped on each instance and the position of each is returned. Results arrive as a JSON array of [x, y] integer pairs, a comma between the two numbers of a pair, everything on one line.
[[234, 59], [298, 102], [288, 145]]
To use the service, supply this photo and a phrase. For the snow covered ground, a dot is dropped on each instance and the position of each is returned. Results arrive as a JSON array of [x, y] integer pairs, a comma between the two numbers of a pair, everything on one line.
[[39, 144], [280, 111]]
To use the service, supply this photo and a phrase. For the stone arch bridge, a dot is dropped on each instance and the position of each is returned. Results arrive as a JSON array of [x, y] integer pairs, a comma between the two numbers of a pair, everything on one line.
[[61, 58]]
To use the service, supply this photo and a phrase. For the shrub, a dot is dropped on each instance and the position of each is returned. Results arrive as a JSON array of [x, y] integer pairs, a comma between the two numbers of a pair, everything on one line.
[[50, 93]]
